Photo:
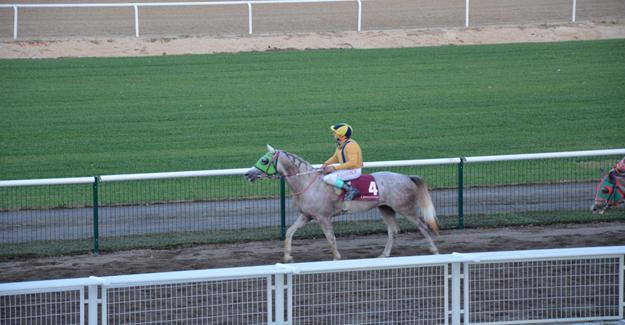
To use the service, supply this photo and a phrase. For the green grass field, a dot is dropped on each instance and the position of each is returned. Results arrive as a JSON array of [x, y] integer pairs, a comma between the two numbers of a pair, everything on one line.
[[84, 117]]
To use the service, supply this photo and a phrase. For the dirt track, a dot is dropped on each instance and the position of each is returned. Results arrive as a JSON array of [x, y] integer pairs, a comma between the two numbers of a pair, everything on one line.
[[304, 250]]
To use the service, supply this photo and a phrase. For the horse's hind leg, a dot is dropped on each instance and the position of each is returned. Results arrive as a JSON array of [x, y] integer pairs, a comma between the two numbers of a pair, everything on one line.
[[423, 228], [299, 223], [388, 215], [326, 226]]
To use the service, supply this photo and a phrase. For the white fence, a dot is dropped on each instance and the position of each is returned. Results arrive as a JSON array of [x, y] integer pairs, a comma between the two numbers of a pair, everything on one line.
[[249, 4], [371, 164], [535, 286], [87, 213]]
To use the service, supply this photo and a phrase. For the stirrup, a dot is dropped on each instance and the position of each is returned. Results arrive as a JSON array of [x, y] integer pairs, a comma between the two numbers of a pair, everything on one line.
[[351, 194]]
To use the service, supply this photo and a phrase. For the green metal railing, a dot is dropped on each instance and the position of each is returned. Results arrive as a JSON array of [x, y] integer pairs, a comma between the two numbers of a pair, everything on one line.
[[53, 216]]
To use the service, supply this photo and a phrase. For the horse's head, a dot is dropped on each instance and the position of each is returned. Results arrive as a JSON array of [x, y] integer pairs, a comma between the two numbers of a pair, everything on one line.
[[608, 194], [265, 167]]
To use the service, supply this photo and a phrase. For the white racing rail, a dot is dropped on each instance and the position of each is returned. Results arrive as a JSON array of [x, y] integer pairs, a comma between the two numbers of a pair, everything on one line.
[[512, 287], [373, 164], [249, 4]]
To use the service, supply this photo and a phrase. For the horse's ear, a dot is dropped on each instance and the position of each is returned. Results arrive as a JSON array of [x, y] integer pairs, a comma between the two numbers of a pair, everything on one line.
[[270, 149]]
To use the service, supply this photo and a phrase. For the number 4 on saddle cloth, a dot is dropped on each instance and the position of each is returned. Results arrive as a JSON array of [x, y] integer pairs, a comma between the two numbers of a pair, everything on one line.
[[367, 186]]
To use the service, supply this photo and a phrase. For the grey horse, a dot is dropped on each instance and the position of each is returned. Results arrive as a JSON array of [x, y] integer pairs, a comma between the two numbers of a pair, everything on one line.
[[316, 200]]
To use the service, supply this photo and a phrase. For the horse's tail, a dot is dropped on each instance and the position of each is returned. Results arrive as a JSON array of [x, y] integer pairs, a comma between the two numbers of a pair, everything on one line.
[[424, 201]]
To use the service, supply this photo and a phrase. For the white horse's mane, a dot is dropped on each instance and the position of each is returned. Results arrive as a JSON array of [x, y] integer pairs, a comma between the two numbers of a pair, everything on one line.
[[298, 161]]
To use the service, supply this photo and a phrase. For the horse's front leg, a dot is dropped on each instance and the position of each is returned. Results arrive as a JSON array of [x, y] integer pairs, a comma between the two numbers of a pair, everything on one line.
[[326, 226], [299, 223]]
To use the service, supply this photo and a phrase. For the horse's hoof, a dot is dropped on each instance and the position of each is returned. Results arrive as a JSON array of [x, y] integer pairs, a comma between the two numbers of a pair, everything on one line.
[[382, 256], [288, 259]]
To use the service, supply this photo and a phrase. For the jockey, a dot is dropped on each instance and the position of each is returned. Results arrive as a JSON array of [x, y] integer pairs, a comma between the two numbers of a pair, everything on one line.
[[349, 157], [619, 168]]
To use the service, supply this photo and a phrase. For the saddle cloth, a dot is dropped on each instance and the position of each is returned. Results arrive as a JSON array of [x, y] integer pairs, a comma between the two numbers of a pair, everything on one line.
[[367, 186]]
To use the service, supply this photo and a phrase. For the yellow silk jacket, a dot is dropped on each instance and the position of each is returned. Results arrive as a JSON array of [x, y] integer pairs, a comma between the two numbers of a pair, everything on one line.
[[348, 155]]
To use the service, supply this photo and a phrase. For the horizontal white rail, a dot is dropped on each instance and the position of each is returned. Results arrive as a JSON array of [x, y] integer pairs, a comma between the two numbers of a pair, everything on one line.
[[417, 162], [48, 181], [190, 276], [46, 285], [503, 256], [160, 4], [547, 155], [147, 176], [373, 164]]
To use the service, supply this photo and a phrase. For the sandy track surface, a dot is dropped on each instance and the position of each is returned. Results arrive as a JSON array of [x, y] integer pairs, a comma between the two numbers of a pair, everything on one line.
[[155, 46]]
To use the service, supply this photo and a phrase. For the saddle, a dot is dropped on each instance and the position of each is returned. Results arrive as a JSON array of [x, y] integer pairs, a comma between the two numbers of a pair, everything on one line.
[[367, 186]]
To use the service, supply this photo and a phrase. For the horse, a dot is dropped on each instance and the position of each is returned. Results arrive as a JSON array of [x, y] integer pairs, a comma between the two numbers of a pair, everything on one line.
[[316, 200], [610, 192]]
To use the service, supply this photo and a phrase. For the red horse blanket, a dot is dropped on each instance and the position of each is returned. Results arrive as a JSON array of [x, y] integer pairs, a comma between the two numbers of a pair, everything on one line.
[[367, 186]]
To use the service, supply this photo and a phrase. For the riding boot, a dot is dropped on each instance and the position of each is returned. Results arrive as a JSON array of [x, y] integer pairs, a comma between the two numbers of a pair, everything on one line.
[[351, 192]]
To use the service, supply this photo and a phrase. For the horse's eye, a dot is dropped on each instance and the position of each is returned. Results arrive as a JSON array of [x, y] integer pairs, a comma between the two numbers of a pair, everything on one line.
[[264, 161], [605, 190]]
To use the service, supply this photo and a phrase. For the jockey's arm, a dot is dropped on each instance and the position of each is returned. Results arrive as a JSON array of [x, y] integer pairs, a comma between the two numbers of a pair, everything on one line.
[[332, 160]]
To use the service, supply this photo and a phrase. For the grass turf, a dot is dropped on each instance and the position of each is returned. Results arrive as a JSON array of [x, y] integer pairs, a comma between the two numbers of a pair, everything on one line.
[[94, 116]]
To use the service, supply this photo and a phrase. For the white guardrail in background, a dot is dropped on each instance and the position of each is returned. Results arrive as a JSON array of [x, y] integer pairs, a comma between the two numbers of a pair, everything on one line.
[[373, 164], [512, 287], [249, 4]]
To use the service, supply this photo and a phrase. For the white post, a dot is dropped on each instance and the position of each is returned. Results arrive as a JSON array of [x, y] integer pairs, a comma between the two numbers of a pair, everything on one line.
[[104, 306], [93, 305], [269, 299], [359, 15], [466, 13], [455, 293], [574, 11], [289, 298], [14, 22], [466, 311], [249, 18], [136, 21], [279, 294]]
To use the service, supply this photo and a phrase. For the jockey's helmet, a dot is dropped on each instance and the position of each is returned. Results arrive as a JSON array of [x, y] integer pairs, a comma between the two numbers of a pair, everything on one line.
[[343, 129]]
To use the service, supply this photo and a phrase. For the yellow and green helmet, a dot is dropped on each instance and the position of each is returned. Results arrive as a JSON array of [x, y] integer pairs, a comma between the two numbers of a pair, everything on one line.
[[343, 129]]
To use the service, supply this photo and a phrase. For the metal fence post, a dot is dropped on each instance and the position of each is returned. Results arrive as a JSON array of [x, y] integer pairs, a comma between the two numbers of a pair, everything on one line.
[[282, 209], [359, 16], [136, 20], [279, 298], [92, 304], [455, 293], [15, 14], [250, 29], [96, 222], [461, 193], [466, 13]]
